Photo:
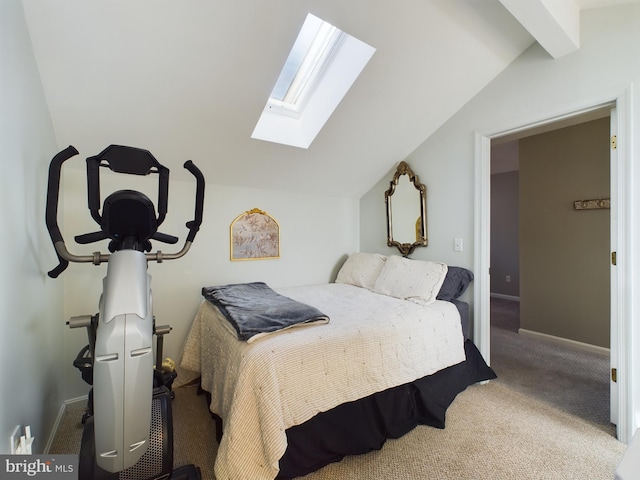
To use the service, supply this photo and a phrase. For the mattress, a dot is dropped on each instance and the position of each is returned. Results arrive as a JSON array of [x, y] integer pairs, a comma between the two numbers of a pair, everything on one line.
[[373, 342]]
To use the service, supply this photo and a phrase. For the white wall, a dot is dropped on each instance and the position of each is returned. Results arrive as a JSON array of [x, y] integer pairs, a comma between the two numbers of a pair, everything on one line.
[[316, 234], [533, 88], [449, 215], [37, 348], [31, 312]]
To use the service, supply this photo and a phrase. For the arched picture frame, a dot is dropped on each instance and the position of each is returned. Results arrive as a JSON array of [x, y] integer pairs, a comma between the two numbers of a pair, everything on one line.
[[255, 235]]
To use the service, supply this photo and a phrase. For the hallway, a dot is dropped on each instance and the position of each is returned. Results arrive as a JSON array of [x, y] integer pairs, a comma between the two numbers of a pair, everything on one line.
[[567, 377]]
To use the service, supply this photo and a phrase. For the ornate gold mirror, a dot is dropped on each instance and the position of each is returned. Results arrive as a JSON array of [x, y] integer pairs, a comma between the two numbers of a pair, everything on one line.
[[406, 202]]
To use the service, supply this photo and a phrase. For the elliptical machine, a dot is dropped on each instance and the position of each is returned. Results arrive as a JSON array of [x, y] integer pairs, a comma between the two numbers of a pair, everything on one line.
[[128, 430]]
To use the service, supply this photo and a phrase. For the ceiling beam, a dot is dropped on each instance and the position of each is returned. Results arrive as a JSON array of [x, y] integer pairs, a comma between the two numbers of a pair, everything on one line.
[[555, 24]]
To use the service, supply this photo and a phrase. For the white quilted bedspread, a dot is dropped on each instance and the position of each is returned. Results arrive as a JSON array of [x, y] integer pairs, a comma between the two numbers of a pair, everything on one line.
[[372, 342]]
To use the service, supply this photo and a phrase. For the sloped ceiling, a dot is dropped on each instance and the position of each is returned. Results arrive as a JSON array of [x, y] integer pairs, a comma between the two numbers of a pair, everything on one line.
[[188, 80]]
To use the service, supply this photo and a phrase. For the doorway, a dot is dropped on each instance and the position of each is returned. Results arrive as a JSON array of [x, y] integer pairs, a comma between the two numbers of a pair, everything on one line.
[[554, 345], [622, 281]]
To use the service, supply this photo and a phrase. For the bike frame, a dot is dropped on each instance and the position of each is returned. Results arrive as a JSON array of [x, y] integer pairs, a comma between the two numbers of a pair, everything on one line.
[[122, 350], [123, 363]]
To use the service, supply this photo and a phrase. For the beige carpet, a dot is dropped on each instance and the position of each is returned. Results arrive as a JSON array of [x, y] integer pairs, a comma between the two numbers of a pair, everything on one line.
[[492, 432], [560, 374]]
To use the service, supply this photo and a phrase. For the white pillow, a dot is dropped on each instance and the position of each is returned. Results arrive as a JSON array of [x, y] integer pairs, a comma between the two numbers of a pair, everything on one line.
[[361, 269], [414, 280]]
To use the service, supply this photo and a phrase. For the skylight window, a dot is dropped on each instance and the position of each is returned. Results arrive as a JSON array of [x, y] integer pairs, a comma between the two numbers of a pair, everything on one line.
[[316, 42], [321, 67]]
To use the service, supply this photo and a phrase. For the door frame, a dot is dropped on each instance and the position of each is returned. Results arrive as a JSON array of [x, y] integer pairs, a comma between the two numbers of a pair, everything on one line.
[[621, 211]]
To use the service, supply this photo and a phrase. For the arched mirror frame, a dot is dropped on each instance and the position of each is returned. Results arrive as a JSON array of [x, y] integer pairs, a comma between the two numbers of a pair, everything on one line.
[[421, 224]]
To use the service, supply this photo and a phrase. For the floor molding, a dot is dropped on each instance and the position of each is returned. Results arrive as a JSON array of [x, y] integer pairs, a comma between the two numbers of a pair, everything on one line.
[[583, 346], [56, 425], [505, 297]]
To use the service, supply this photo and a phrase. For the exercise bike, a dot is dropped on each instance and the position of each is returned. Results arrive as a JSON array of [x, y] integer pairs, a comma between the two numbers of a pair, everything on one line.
[[128, 430]]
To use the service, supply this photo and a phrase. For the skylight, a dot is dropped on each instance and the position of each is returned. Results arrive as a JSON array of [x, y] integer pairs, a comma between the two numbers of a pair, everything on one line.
[[310, 53], [321, 67]]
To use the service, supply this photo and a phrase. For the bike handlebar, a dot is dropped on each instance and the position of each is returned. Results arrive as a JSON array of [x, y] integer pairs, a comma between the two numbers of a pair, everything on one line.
[[51, 214], [194, 225]]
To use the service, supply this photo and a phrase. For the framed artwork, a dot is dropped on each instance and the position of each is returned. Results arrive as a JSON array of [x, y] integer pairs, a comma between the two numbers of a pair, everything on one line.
[[255, 235]]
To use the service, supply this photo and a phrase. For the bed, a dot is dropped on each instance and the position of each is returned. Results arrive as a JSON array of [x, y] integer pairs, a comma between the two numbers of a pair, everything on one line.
[[392, 355]]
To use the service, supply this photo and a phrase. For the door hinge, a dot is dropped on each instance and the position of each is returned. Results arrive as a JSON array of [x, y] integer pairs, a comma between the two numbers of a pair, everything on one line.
[[614, 259], [614, 375], [614, 142]]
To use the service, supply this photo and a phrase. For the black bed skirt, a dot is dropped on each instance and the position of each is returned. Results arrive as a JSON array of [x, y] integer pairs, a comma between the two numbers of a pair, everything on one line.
[[363, 425]]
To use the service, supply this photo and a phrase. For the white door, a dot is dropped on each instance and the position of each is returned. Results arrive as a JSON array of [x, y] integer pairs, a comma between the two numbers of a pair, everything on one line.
[[614, 400], [621, 407]]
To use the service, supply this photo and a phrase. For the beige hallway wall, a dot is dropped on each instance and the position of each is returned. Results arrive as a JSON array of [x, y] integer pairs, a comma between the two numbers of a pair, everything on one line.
[[564, 253]]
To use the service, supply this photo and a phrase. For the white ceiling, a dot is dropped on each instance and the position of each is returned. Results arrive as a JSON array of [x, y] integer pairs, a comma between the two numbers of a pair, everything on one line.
[[188, 79]]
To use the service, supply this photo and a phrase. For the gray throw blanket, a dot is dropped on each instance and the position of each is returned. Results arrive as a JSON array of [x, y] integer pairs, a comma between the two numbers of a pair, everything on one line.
[[254, 308]]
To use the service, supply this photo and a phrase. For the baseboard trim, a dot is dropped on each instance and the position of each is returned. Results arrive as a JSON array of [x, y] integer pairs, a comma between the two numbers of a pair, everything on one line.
[[567, 341], [56, 424], [505, 297]]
